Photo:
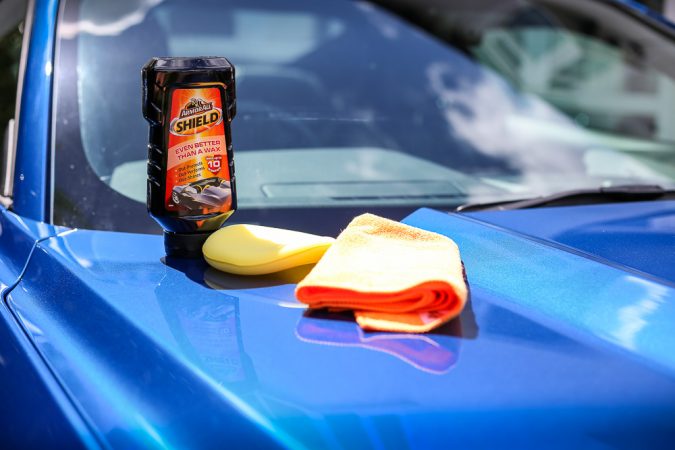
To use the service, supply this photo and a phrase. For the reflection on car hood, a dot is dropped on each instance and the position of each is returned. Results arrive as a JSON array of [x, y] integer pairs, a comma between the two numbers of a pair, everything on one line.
[[554, 347], [640, 235]]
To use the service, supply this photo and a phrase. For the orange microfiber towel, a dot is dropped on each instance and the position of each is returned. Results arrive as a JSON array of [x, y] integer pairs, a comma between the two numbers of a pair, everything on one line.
[[395, 277]]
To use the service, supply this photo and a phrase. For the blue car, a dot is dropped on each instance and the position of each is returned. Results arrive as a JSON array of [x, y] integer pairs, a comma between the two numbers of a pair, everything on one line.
[[538, 135]]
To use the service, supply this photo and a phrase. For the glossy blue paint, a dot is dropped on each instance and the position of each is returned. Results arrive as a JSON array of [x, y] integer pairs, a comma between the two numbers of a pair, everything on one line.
[[622, 308], [37, 412], [16, 241], [32, 178], [554, 350], [18, 236], [639, 235]]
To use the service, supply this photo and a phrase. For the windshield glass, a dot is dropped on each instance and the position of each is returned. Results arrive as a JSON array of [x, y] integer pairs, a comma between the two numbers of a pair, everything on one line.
[[383, 106]]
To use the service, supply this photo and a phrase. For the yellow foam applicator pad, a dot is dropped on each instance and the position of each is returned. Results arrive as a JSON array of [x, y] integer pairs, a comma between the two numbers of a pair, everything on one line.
[[257, 250]]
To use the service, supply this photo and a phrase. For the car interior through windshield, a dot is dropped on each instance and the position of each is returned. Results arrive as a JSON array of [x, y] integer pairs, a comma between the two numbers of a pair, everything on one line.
[[380, 106]]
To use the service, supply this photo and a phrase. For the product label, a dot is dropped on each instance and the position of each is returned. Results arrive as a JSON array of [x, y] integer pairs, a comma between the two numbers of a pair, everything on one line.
[[198, 177]]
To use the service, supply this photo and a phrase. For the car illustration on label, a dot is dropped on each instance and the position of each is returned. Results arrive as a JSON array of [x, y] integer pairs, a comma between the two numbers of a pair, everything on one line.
[[208, 193]]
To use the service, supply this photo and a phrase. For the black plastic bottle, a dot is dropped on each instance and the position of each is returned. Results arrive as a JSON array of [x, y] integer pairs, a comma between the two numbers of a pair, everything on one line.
[[189, 103]]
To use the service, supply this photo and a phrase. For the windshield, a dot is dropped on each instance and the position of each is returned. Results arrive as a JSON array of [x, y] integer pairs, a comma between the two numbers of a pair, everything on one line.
[[383, 106]]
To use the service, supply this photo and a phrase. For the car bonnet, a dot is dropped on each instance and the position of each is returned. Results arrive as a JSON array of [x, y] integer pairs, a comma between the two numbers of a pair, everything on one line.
[[556, 347]]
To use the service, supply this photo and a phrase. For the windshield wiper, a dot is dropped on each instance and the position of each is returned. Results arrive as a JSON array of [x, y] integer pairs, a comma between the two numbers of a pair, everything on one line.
[[614, 194]]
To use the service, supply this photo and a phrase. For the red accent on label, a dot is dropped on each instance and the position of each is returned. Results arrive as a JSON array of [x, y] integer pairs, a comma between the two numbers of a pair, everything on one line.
[[214, 163]]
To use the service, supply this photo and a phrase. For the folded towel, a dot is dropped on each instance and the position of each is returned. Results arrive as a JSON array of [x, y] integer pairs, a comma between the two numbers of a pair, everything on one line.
[[395, 277], [257, 250]]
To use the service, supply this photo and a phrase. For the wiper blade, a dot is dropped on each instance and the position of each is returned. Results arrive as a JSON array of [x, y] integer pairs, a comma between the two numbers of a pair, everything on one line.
[[614, 194]]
